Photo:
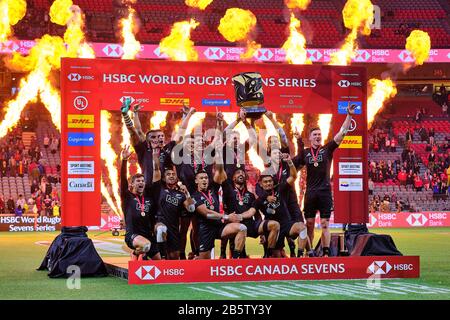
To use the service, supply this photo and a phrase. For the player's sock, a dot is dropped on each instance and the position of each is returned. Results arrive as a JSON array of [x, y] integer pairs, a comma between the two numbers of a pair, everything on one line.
[[223, 249], [311, 253], [300, 253], [244, 253], [326, 251], [292, 248], [182, 255], [236, 254], [162, 248], [268, 253]]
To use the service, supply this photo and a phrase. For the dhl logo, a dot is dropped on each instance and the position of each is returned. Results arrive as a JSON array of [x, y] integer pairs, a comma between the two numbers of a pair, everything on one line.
[[174, 101], [351, 142], [80, 121]]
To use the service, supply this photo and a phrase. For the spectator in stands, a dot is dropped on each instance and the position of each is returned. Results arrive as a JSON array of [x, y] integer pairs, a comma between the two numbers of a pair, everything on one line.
[[47, 204], [21, 203], [387, 144], [393, 145], [46, 141], [437, 185], [54, 145], [445, 109], [12, 166], [56, 208], [418, 116], [393, 197], [408, 136], [423, 134], [431, 161], [10, 205], [4, 168], [371, 186], [418, 183], [385, 206], [431, 136], [426, 180], [54, 195], [34, 187], [402, 176], [410, 179], [402, 205], [45, 187], [2, 204]]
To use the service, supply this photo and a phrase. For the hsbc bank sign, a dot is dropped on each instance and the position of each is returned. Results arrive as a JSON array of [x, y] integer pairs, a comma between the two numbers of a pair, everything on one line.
[[346, 83], [134, 100], [76, 77]]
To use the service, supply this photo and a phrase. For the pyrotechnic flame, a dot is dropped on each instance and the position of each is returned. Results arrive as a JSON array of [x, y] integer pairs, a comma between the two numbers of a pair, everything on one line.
[[357, 15], [237, 26], [252, 47], [419, 44], [199, 4], [240, 128], [178, 45], [194, 121], [131, 47], [109, 156], [297, 4], [324, 124], [381, 90], [44, 56], [11, 12], [270, 128], [108, 198], [60, 12], [295, 44], [297, 125], [158, 120]]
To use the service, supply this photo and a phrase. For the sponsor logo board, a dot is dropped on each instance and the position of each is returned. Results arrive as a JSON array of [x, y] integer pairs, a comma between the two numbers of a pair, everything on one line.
[[342, 106], [80, 167], [81, 139], [350, 168], [80, 121], [351, 142], [174, 101], [350, 184], [80, 184]]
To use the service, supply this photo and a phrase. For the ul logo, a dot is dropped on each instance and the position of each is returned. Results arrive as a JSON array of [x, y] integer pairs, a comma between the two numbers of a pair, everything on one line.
[[80, 103]]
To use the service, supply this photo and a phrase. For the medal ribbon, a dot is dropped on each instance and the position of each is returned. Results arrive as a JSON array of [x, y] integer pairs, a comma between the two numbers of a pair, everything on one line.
[[142, 205], [315, 156], [208, 197]]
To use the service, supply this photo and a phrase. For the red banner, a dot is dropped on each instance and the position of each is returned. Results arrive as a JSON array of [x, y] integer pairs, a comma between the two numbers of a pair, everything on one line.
[[89, 85], [189, 271]]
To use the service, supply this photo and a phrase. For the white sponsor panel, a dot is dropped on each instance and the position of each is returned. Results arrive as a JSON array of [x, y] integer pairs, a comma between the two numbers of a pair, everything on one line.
[[350, 168], [350, 184], [379, 267], [80, 167], [80, 185], [80, 103], [148, 273]]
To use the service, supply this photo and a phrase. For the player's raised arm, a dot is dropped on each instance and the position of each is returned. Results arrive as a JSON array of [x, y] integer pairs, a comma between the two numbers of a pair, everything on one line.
[[125, 155], [219, 175], [189, 202], [137, 122], [280, 130], [292, 170], [134, 135], [346, 125], [299, 159], [179, 134], [156, 165]]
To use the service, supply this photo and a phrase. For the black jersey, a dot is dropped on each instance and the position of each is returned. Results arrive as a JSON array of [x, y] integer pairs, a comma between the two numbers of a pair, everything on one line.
[[318, 177], [145, 158], [170, 206], [139, 211], [278, 210], [209, 198], [186, 171], [234, 158]]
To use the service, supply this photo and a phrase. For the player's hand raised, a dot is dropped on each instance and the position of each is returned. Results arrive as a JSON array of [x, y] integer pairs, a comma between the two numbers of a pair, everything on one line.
[[351, 108], [272, 199], [126, 153]]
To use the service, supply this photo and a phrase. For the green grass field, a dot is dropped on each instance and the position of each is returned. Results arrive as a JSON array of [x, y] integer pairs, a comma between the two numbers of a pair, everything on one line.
[[20, 255]]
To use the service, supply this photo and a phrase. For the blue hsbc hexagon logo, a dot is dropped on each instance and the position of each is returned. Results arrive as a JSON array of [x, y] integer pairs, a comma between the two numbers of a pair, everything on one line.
[[113, 50], [362, 56], [314, 55], [214, 53], [406, 56], [159, 54], [264, 54]]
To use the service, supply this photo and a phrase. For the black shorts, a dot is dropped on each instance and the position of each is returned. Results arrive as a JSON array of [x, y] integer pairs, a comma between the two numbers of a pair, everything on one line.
[[293, 207], [173, 238], [153, 247], [318, 201], [252, 228], [285, 228], [207, 234]]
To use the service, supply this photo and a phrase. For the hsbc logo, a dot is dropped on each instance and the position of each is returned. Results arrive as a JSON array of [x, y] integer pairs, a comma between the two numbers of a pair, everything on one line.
[[346, 84], [264, 54], [113, 50], [372, 220], [214, 53], [314, 55], [406, 56], [75, 77], [148, 273], [362, 56], [379, 267], [416, 219], [134, 100]]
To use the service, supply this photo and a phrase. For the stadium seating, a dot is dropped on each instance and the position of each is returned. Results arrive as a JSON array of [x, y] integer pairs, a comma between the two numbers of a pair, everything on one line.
[[273, 20]]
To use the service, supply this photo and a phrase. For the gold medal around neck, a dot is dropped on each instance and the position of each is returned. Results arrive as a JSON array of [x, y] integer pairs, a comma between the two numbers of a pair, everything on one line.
[[316, 164]]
